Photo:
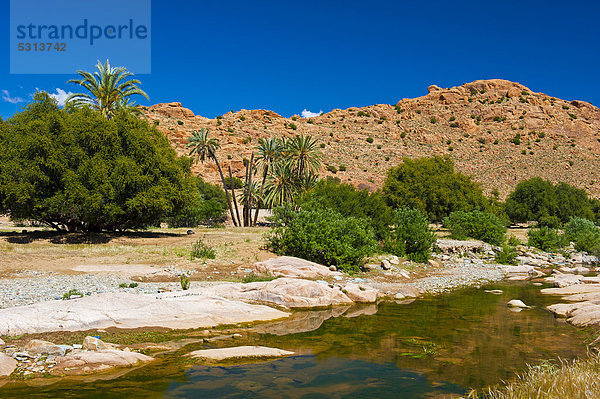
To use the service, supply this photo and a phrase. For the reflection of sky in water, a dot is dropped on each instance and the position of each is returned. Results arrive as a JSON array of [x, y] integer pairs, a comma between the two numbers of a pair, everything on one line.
[[433, 346], [306, 377]]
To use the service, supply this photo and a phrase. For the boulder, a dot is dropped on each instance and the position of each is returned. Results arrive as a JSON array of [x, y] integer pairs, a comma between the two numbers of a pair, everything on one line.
[[516, 303], [407, 292], [433, 88], [239, 352], [564, 280], [1, 342], [386, 265], [95, 344], [360, 293], [7, 365], [93, 362], [39, 347], [286, 292], [289, 266]]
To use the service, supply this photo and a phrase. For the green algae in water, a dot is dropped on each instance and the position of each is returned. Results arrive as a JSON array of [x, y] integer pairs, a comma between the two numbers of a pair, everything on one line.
[[440, 345]]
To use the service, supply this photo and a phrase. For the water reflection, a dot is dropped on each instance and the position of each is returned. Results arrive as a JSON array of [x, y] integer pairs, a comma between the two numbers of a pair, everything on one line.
[[429, 348]]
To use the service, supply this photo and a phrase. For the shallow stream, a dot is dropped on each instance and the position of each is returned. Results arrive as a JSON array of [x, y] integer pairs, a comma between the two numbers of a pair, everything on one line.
[[433, 347]]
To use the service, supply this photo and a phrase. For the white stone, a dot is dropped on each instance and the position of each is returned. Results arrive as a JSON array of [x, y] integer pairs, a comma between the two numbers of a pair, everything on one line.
[[239, 352], [516, 303], [7, 365]]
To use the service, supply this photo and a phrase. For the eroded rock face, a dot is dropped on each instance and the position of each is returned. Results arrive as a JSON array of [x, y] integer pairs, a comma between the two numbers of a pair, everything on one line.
[[7, 365], [286, 292], [239, 352], [97, 361], [289, 266], [124, 310]]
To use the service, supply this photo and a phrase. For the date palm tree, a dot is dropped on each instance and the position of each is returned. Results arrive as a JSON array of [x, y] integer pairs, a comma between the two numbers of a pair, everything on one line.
[[303, 156], [109, 89], [203, 147], [269, 153], [282, 186]]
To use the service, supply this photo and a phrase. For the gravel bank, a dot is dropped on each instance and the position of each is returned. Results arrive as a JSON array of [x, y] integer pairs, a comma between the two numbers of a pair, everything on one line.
[[33, 287]]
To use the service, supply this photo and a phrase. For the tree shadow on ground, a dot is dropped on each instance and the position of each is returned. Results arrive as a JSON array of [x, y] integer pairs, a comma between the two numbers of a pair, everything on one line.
[[57, 237]]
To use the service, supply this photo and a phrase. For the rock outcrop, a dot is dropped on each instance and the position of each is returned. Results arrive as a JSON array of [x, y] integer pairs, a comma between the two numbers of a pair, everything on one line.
[[289, 266], [7, 365], [89, 362]]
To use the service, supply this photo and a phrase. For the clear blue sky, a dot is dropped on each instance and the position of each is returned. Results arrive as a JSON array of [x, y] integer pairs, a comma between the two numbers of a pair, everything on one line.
[[217, 56]]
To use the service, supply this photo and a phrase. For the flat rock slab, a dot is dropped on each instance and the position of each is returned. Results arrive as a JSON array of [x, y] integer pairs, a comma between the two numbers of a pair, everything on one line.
[[289, 266], [180, 310], [572, 289], [285, 292], [94, 362], [239, 352], [7, 365]]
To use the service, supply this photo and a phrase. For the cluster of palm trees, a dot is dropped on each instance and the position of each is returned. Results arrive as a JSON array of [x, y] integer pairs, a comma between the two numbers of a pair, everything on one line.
[[287, 166]]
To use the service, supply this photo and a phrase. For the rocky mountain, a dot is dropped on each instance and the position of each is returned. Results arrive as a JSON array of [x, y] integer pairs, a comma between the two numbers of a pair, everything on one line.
[[498, 131]]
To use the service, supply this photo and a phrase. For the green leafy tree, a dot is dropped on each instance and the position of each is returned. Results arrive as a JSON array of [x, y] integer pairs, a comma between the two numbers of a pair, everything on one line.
[[411, 235], [348, 201], [584, 233], [479, 225], [323, 236], [539, 200], [109, 89], [209, 207], [76, 170], [203, 147], [432, 185], [546, 239]]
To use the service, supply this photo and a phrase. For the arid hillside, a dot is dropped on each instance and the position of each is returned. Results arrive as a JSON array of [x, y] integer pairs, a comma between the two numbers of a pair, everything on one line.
[[498, 131]]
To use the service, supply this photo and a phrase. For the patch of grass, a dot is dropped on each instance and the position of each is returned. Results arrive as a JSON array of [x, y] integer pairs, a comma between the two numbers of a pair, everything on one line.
[[577, 379], [201, 250], [67, 295], [252, 278]]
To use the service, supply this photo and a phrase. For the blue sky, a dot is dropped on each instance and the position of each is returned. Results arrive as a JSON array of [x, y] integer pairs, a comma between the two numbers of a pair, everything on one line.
[[217, 56]]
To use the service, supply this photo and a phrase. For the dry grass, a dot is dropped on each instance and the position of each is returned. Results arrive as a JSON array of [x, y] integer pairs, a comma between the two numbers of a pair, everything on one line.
[[567, 380]]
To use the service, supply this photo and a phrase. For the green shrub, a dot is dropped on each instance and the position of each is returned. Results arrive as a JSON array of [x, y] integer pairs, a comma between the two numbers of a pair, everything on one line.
[[479, 225], [370, 140], [545, 239], [322, 235], [348, 201], [235, 183], [74, 292], [534, 199], [584, 233], [202, 250], [209, 207], [332, 169], [514, 241], [549, 221], [432, 186], [506, 255], [184, 281], [433, 120], [411, 235]]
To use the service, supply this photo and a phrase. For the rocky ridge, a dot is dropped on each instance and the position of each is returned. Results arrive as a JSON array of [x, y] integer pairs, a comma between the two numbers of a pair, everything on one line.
[[498, 131]]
